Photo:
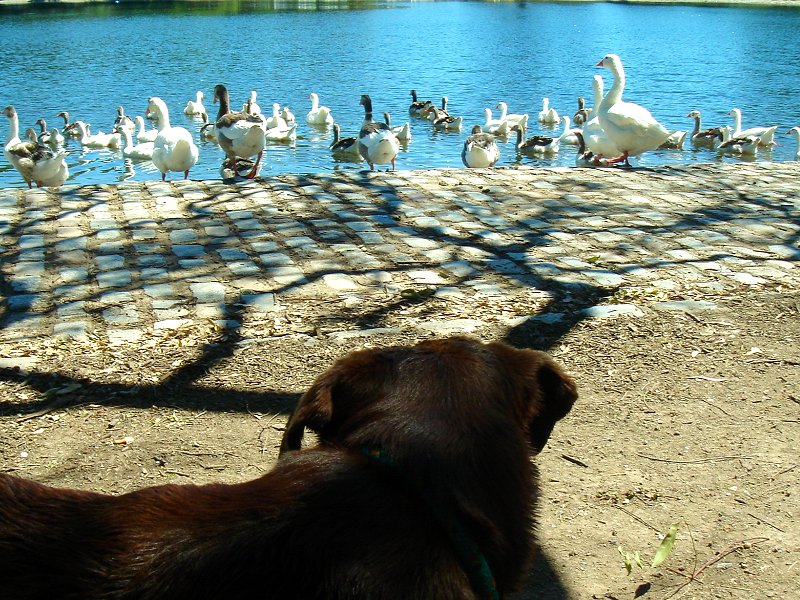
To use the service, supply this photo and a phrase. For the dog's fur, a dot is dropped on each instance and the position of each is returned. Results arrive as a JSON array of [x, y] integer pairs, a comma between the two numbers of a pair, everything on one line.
[[456, 420]]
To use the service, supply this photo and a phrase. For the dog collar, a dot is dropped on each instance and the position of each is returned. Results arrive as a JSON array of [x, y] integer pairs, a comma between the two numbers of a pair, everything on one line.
[[467, 550]]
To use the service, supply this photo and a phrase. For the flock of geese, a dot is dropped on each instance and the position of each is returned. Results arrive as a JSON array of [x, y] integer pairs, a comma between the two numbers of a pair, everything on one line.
[[609, 133]]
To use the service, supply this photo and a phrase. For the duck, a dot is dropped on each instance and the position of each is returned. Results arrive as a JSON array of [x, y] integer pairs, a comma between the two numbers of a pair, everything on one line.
[[276, 120], [541, 144], [34, 161], [68, 130], [318, 115], [494, 126], [447, 122], [587, 158], [745, 145], [140, 151], [377, 144], [287, 115], [630, 126], [795, 132], [674, 141], [52, 138], [480, 149], [343, 145], [195, 107], [124, 120], [417, 106], [251, 106], [401, 132], [513, 118], [97, 140], [208, 131], [281, 133], [173, 148], [765, 135], [548, 115], [581, 115], [240, 134], [700, 136], [434, 113], [146, 135]]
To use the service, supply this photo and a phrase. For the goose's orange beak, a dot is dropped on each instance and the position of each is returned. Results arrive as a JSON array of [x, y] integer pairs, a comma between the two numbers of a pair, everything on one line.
[[600, 64]]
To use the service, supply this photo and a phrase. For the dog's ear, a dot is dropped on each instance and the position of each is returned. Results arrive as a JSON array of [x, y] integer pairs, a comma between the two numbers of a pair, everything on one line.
[[558, 394], [336, 396], [314, 410]]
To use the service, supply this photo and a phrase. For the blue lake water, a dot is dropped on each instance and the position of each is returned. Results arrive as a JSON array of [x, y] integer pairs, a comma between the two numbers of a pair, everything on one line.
[[89, 60]]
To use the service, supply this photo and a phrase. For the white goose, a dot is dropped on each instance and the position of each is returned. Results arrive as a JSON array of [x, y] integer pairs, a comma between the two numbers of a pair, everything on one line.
[[513, 118], [494, 126], [764, 134], [251, 106], [703, 137], [97, 140], [34, 161], [240, 135], [287, 115], [141, 151], [173, 148], [343, 145], [795, 132], [548, 114], [480, 149], [541, 144], [630, 126], [318, 115], [195, 107], [142, 133], [376, 142], [276, 120], [281, 133]]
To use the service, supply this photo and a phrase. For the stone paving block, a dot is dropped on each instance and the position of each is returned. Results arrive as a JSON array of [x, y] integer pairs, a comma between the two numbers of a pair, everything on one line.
[[112, 279], [188, 250], [208, 292]]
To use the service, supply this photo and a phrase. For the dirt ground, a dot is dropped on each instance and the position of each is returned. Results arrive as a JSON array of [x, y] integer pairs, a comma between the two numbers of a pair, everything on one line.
[[684, 418]]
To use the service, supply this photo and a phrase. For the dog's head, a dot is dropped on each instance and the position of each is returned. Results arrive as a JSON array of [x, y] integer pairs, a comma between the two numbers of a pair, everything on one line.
[[395, 395]]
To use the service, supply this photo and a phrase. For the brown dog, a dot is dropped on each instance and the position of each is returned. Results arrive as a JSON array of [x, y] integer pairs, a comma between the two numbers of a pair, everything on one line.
[[422, 488]]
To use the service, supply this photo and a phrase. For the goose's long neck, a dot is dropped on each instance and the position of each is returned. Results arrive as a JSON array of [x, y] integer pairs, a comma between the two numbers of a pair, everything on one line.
[[503, 110], [13, 127], [597, 88], [737, 121], [127, 138], [519, 137], [696, 125], [224, 105], [567, 123], [614, 95], [163, 117], [367, 110]]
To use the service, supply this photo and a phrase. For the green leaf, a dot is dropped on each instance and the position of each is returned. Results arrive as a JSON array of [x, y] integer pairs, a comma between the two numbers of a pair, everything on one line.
[[666, 546], [626, 558]]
